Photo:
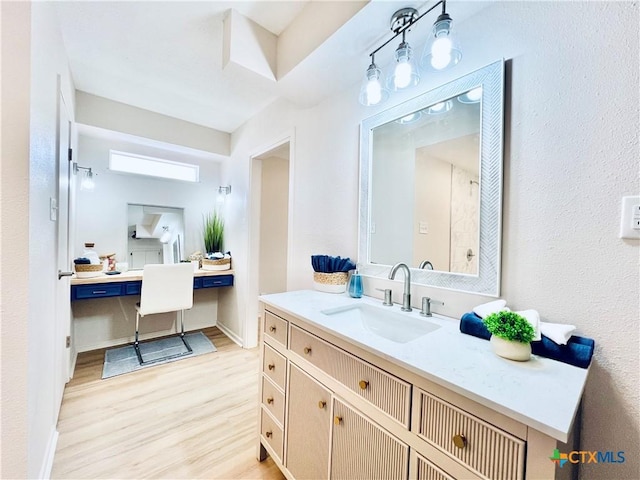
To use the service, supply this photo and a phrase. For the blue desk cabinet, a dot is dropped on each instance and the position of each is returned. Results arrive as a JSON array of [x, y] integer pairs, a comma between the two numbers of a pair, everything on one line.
[[119, 289]]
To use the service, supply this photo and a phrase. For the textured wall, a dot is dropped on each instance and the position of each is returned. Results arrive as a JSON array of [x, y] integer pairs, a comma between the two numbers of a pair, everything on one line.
[[571, 153]]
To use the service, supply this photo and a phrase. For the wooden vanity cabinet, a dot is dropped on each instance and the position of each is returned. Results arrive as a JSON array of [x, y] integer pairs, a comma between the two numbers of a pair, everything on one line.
[[351, 415], [308, 426]]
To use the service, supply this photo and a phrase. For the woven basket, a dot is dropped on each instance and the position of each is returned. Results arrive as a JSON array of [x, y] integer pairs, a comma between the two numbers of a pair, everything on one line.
[[218, 264], [330, 282], [88, 270]]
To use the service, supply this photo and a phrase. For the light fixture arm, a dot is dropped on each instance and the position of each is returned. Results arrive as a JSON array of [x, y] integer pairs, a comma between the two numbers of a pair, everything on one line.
[[408, 24]]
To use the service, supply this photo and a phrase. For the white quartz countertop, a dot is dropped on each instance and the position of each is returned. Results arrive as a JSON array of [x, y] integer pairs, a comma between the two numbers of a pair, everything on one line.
[[541, 393]]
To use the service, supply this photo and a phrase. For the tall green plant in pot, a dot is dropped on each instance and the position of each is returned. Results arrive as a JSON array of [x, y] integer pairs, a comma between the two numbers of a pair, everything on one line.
[[213, 232]]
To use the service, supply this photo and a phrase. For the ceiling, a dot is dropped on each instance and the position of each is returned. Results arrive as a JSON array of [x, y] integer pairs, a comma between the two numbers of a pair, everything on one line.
[[166, 57]]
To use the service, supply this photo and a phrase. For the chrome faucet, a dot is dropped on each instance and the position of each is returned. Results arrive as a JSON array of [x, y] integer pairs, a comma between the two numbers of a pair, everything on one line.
[[426, 264], [406, 296]]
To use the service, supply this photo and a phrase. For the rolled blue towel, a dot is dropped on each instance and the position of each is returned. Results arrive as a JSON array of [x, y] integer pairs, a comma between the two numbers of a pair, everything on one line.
[[578, 351], [472, 324], [82, 261]]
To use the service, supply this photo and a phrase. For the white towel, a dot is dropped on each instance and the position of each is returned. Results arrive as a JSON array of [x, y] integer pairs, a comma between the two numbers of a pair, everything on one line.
[[533, 318], [558, 332], [491, 307]]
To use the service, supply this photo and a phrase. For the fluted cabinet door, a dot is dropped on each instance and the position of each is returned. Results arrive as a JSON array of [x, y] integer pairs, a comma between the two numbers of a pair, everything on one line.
[[363, 450], [308, 427]]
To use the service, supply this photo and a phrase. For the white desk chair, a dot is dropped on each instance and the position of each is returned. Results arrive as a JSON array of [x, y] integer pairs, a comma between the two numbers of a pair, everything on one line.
[[165, 288]]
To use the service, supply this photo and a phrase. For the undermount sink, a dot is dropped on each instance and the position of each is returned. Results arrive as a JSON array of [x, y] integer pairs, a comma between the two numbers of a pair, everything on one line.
[[397, 327]]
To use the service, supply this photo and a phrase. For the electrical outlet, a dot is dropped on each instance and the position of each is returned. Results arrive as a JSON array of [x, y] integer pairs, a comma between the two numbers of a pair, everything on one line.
[[630, 217], [53, 209], [423, 228]]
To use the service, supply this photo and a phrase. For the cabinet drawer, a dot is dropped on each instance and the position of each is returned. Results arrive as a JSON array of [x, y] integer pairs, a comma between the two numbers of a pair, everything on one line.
[[132, 288], [388, 393], [274, 366], [98, 291], [271, 433], [481, 447], [275, 328], [425, 470], [273, 400], [217, 281]]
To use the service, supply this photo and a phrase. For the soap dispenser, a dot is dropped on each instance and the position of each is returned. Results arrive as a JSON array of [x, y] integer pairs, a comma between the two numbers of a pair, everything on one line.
[[355, 285]]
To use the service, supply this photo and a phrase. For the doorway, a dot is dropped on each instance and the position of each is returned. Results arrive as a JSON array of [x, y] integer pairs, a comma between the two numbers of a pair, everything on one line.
[[270, 227]]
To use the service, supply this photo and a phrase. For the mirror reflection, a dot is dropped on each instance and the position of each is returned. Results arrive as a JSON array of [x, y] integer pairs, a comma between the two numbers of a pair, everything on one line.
[[431, 185], [425, 179], [155, 234]]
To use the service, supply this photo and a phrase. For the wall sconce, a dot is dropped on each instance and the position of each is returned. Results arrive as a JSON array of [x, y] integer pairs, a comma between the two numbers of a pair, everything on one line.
[[441, 51], [86, 183], [223, 191], [166, 235]]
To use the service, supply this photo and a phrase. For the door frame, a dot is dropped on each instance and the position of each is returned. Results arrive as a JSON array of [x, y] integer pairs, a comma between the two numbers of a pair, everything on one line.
[[251, 323]]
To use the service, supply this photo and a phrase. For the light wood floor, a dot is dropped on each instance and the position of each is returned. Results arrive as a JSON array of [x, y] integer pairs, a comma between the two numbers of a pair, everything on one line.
[[194, 418]]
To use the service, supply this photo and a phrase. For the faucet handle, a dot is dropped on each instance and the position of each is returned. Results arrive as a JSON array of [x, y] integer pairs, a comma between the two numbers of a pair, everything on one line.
[[387, 296], [426, 306]]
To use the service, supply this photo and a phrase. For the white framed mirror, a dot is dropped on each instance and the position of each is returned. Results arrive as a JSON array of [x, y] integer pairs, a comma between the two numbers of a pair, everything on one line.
[[155, 234], [431, 185]]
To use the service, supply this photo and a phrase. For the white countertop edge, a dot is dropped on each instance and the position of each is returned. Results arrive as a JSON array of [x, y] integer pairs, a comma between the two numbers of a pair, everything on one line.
[[135, 275], [557, 428]]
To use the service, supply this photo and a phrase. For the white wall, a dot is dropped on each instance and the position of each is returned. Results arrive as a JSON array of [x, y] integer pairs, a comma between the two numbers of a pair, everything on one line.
[[571, 153], [102, 212], [48, 61], [15, 18], [273, 225]]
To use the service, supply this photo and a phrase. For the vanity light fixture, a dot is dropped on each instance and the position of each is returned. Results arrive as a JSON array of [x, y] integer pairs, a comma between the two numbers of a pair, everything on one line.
[[441, 52], [439, 108], [472, 96], [86, 183], [224, 190], [166, 235], [409, 119]]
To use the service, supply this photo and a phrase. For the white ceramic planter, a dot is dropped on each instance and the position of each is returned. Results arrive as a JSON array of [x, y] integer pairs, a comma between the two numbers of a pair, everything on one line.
[[518, 351]]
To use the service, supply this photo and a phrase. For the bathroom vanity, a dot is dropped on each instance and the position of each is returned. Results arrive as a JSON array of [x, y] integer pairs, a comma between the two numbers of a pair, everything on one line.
[[352, 389]]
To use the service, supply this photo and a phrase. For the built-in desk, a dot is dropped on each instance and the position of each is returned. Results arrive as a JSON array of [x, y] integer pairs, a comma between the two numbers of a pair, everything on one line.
[[103, 308], [130, 283]]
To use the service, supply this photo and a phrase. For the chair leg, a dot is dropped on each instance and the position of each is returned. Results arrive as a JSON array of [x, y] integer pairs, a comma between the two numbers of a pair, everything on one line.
[[184, 340], [136, 343]]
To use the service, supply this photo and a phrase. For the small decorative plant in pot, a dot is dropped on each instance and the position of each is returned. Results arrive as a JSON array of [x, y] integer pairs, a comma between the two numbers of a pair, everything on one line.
[[511, 335], [214, 259]]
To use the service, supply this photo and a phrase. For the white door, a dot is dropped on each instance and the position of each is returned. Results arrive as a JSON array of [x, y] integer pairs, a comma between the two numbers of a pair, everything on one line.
[[63, 290]]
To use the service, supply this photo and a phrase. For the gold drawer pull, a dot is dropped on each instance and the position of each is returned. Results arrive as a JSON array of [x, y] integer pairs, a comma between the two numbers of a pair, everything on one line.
[[363, 384], [322, 404], [460, 440], [272, 328], [270, 400], [271, 366], [307, 350], [269, 434], [337, 420]]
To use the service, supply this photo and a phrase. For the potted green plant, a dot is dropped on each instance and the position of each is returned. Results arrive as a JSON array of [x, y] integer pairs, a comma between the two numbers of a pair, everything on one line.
[[213, 232], [213, 227], [511, 335]]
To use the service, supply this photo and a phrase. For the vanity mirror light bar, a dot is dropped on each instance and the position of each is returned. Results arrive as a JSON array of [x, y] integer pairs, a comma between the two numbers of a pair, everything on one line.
[[153, 167], [442, 51]]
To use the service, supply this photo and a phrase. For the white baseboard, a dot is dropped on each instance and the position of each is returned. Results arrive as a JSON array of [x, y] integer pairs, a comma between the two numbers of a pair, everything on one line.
[[230, 334], [47, 463]]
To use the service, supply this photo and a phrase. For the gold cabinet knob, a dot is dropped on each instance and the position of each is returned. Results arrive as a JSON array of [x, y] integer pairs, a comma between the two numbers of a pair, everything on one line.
[[270, 400], [271, 366], [272, 328], [363, 384], [460, 440], [307, 350], [337, 420], [322, 404], [268, 434]]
